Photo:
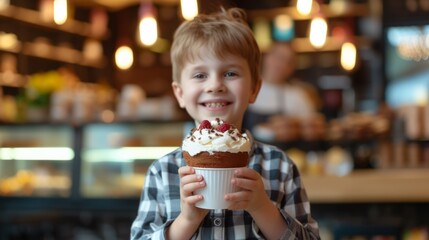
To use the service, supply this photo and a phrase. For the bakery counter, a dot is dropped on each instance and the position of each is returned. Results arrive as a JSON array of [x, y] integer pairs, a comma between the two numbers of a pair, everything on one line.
[[36, 160], [89, 161], [369, 186], [109, 161], [115, 157]]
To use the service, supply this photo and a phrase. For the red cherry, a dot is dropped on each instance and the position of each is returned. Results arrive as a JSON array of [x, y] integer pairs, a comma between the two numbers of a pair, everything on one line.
[[205, 124], [223, 127]]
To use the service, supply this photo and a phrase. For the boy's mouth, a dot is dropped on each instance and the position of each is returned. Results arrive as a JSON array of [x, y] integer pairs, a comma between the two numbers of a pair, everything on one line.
[[215, 104]]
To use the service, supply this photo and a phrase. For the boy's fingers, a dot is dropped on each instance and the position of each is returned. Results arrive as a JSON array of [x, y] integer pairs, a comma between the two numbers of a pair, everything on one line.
[[246, 173], [190, 179], [191, 187], [186, 170], [194, 199], [238, 196], [247, 184]]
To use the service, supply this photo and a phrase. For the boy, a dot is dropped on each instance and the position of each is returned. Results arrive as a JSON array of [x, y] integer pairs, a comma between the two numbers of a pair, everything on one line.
[[216, 75]]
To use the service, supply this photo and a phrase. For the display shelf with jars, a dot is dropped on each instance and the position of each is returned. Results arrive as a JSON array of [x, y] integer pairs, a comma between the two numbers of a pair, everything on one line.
[[39, 19], [31, 43], [334, 10], [346, 22]]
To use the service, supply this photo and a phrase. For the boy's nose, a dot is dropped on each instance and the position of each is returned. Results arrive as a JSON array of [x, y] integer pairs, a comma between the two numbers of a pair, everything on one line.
[[215, 85]]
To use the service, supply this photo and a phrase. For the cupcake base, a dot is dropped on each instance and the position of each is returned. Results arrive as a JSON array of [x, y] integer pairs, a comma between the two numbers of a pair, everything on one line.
[[217, 159], [218, 183]]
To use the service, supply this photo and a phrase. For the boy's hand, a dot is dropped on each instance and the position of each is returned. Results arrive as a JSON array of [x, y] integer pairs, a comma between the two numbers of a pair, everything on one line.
[[189, 219], [251, 195], [189, 182]]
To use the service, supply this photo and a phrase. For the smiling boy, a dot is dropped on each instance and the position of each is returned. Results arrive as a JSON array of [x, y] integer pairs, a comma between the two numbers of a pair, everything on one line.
[[216, 75]]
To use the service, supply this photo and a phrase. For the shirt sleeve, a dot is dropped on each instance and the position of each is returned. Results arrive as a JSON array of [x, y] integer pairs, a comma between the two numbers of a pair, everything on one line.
[[151, 220], [296, 209]]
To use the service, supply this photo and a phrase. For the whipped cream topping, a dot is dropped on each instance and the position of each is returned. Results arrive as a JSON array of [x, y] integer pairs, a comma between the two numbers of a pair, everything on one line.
[[213, 140]]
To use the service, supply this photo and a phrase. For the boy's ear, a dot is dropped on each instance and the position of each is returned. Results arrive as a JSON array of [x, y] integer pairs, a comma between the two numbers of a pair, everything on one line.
[[178, 92], [255, 91]]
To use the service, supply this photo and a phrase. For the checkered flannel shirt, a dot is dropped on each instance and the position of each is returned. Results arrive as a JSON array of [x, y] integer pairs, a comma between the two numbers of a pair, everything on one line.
[[160, 200]]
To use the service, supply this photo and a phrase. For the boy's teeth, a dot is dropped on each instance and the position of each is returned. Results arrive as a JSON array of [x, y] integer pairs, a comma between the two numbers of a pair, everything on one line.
[[215, 105]]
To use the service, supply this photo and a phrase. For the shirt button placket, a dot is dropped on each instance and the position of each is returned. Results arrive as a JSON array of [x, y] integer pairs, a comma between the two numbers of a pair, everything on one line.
[[218, 230], [217, 222]]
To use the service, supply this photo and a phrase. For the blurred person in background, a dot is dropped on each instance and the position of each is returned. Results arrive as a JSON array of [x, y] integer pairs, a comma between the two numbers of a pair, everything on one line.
[[283, 101]]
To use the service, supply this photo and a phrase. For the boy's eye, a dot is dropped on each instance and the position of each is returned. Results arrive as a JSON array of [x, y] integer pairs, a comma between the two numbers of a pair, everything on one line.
[[199, 76], [230, 74]]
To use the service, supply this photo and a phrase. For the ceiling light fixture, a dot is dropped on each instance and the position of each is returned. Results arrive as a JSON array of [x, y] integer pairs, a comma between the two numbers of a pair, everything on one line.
[[348, 56], [148, 26], [60, 11], [189, 9], [318, 32], [124, 57], [304, 6]]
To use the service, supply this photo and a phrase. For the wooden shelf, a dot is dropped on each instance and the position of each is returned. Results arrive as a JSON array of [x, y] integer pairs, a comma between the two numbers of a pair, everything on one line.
[[12, 80], [48, 51], [366, 186], [33, 17], [303, 45], [14, 49], [354, 10], [61, 54]]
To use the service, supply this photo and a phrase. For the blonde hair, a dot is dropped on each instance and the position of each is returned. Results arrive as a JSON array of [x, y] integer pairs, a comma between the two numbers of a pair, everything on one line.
[[222, 33]]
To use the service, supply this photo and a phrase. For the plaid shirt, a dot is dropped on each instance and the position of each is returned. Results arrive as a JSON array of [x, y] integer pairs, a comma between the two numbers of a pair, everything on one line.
[[160, 200]]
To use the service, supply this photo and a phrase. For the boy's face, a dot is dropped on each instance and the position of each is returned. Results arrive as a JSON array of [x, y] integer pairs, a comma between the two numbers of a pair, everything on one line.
[[211, 87]]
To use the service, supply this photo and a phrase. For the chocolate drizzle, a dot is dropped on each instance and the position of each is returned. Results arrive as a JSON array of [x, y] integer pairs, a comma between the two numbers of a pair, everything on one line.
[[213, 133]]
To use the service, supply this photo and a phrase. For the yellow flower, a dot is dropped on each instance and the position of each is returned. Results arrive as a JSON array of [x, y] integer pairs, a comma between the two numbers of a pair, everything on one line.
[[46, 82]]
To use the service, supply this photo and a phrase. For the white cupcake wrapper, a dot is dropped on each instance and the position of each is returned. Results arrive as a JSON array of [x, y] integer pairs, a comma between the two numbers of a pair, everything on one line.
[[218, 183]]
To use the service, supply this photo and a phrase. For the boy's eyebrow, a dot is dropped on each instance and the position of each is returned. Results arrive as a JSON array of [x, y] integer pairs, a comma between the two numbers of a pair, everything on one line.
[[228, 65], [197, 67], [235, 65]]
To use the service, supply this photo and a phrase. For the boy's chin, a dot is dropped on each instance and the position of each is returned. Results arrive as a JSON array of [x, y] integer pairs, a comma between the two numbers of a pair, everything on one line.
[[212, 115], [225, 118]]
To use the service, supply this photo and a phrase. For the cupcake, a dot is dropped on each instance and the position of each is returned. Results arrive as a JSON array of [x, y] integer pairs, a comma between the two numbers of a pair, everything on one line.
[[216, 144], [215, 149]]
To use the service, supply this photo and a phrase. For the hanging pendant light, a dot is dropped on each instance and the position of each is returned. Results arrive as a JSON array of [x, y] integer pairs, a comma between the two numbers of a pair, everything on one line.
[[348, 56], [304, 7], [318, 32], [148, 26], [124, 57], [189, 9], [60, 11]]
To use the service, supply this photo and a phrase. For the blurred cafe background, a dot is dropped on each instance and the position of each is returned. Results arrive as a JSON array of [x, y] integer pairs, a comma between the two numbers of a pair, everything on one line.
[[86, 106]]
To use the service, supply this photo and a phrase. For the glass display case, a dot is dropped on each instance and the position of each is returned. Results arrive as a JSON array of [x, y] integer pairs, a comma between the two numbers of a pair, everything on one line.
[[115, 157], [36, 160]]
